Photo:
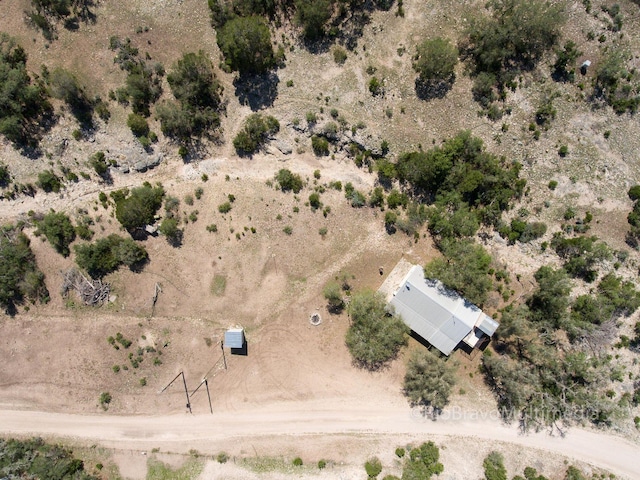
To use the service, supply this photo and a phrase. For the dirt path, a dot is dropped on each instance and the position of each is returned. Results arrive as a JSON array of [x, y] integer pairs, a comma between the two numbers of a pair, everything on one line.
[[309, 419]]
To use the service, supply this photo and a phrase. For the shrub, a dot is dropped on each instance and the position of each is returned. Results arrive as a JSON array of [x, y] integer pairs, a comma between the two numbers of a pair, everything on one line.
[[255, 132], [320, 145], [634, 193], [289, 181], [422, 462], [552, 185], [138, 125], [435, 60], [374, 337], [494, 467], [222, 457], [333, 294], [169, 228], [322, 464], [288, 230], [563, 150], [400, 452], [373, 467], [49, 181], [105, 399], [339, 55], [314, 201], [297, 462], [375, 86], [58, 229]]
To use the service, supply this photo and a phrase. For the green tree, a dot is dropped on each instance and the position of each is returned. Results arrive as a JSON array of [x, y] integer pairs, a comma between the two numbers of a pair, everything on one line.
[[549, 302], [193, 81], [137, 209], [245, 43], [22, 103], [107, 254], [198, 91], [58, 229], [20, 278], [564, 66], [138, 125], [435, 60], [422, 462], [463, 268], [429, 380], [312, 15], [516, 35], [374, 336]]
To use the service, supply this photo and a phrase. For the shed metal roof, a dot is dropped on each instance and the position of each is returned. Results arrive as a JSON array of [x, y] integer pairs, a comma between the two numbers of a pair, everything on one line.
[[234, 338], [438, 315]]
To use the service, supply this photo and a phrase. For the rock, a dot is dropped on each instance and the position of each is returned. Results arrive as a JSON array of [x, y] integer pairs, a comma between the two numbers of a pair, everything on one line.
[[140, 166], [284, 147], [154, 161], [124, 169]]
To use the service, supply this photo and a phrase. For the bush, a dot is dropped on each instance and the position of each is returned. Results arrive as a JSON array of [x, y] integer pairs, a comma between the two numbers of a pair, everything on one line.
[[552, 185], [169, 228], [255, 132], [375, 86], [339, 55], [314, 201], [297, 462], [374, 337], [138, 125], [289, 181], [333, 294], [99, 164], [422, 462], [105, 399], [5, 176], [59, 231], [107, 254], [49, 181], [322, 464], [373, 467], [435, 60], [634, 193], [224, 207], [320, 145], [494, 467], [245, 43]]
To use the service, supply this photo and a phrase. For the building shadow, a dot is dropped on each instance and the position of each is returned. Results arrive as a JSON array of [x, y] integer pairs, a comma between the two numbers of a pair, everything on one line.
[[243, 351]]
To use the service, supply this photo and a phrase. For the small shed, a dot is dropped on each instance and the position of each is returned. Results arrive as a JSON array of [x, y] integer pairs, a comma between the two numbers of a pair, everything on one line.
[[234, 338]]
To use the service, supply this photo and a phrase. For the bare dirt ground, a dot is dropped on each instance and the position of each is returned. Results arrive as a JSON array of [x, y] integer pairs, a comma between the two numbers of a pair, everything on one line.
[[331, 422]]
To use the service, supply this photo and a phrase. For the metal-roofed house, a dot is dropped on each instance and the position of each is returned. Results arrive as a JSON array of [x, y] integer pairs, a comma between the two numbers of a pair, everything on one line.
[[438, 315]]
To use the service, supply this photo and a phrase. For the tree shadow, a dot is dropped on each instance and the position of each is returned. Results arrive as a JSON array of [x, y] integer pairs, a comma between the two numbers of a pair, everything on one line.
[[257, 91], [429, 90]]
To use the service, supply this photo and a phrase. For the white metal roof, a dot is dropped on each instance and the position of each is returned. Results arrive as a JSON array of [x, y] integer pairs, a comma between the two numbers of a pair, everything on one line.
[[442, 317], [234, 338]]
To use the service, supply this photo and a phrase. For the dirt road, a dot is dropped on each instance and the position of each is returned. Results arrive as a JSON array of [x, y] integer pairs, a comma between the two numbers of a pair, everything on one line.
[[305, 419]]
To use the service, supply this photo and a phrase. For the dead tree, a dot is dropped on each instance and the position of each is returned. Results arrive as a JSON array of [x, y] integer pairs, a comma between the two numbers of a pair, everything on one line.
[[91, 292]]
